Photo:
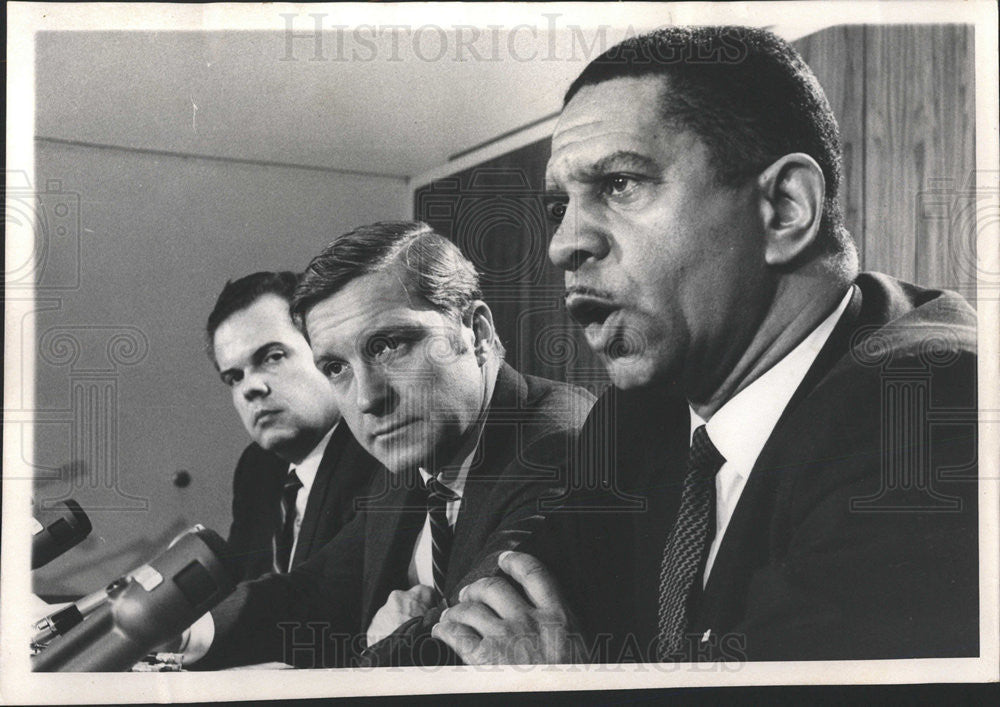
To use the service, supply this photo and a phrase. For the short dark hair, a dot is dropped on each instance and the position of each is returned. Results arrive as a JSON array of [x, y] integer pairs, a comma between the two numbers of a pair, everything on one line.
[[432, 266], [746, 93], [243, 292]]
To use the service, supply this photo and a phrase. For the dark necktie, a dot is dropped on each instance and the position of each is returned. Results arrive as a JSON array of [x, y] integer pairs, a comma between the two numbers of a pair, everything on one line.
[[438, 496], [687, 544], [285, 537]]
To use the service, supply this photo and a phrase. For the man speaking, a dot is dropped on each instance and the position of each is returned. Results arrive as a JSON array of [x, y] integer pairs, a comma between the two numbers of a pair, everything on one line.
[[787, 492]]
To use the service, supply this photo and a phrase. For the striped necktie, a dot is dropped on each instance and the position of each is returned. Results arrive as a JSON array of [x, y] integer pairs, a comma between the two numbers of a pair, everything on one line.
[[285, 536], [687, 545], [438, 496]]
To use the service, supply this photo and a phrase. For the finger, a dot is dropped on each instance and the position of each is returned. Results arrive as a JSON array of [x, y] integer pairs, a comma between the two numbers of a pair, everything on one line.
[[398, 598], [422, 594], [498, 594], [412, 608], [476, 616], [460, 638], [536, 580]]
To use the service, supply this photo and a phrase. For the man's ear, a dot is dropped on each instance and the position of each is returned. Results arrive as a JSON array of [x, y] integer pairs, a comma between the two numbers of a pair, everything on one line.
[[791, 204], [483, 331]]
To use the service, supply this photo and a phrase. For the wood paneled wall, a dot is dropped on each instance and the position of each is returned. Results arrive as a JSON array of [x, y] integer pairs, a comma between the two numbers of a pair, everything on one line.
[[495, 212], [905, 101]]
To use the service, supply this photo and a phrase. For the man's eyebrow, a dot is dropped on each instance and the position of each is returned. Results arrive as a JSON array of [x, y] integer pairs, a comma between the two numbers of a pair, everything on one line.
[[261, 352], [320, 359], [393, 329], [616, 161], [389, 329]]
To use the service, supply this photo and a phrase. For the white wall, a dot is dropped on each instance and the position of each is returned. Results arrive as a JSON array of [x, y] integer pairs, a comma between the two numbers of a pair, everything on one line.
[[158, 237]]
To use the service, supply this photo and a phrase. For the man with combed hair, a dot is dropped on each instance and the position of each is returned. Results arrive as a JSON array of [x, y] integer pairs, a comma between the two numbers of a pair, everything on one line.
[[774, 488], [396, 321], [294, 486]]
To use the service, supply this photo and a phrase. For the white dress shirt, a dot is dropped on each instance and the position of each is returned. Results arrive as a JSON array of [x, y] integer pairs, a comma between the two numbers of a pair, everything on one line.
[[740, 428]]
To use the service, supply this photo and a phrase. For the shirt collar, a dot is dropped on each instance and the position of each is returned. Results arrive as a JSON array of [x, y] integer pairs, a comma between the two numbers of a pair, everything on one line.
[[455, 483], [309, 467], [741, 427]]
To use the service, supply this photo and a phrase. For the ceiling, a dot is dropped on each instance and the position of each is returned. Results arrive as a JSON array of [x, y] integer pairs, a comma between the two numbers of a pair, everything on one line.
[[379, 100]]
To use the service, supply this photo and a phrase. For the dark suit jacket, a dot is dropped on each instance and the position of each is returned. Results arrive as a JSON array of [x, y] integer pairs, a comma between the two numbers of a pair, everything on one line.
[[856, 534], [317, 615], [344, 471]]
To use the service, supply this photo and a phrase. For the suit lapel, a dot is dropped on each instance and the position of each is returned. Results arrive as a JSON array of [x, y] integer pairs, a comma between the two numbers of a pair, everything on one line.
[[268, 480], [497, 445], [468, 528], [324, 486], [745, 545]]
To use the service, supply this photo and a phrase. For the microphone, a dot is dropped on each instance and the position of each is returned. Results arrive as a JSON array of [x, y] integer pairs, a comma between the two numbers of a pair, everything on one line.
[[147, 607], [59, 622], [67, 530]]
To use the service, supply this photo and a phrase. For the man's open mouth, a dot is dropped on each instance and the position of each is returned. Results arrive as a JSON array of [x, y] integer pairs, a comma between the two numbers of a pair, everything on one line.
[[589, 308]]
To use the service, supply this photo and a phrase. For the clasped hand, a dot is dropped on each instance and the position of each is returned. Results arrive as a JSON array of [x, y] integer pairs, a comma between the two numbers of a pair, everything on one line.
[[400, 608], [516, 619]]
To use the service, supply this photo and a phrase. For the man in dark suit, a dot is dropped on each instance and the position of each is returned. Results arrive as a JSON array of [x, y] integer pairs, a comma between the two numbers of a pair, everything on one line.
[[394, 316], [294, 486], [790, 466]]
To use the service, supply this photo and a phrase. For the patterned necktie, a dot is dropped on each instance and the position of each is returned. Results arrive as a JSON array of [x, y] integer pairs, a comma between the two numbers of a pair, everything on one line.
[[285, 537], [438, 496], [687, 545]]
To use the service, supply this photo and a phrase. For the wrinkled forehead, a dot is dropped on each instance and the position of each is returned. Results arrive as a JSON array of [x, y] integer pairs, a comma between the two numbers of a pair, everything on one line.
[[265, 320], [376, 302], [622, 114]]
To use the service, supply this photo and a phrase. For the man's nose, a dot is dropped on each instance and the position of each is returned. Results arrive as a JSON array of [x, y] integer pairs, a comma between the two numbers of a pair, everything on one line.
[[374, 394], [255, 386], [579, 238]]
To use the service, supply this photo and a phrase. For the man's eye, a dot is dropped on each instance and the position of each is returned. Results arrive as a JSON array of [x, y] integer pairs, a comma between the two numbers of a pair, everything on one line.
[[230, 380], [274, 356], [332, 369], [381, 348], [556, 210], [618, 184]]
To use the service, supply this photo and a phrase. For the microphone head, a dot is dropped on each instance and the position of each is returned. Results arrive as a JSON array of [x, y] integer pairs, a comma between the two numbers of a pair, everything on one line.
[[156, 602], [50, 540], [170, 592], [220, 551]]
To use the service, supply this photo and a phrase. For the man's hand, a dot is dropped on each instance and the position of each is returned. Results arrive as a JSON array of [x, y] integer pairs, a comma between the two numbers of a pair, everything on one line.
[[519, 619], [400, 608], [177, 644]]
